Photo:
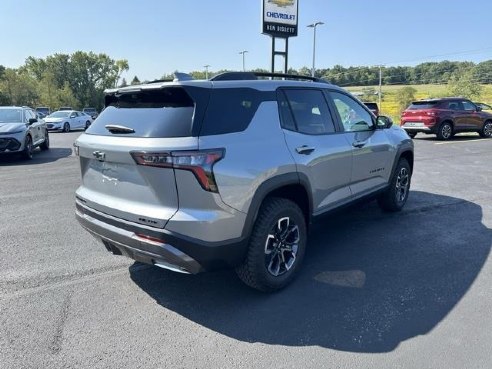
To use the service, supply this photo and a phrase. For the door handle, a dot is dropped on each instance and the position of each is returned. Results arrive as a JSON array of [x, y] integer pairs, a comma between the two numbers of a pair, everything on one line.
[[359, 144], [305, 150]]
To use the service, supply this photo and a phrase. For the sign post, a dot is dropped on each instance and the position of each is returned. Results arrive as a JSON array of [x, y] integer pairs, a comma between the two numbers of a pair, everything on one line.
[[280, 21]]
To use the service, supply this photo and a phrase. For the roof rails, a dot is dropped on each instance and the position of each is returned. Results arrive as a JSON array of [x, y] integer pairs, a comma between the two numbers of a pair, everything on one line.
[[241, 76]]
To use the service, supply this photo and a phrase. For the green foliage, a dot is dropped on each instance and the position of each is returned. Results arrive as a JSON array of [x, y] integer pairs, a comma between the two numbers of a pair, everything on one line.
[[404, 96], [135, 81], [464, 85], [369, 94]]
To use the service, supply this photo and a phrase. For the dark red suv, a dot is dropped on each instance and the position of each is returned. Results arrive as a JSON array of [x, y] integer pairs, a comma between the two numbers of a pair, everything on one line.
[[445, 117]]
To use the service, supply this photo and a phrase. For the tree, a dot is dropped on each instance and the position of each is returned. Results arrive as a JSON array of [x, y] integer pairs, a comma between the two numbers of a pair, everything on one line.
[[123, 83], [464, 85], [404, 96], [122, 66], [18, 88], [135, 81]]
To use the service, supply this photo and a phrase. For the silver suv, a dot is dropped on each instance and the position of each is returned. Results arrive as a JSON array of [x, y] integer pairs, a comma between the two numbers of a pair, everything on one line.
[[230, 172], [21, 131]]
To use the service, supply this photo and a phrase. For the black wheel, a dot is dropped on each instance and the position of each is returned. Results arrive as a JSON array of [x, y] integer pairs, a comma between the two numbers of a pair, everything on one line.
[[87, 124], [486, 131], [412, 134], [276, 247], [395, 197], [27, 153], [46, 144], [66, 127], [445, 131]]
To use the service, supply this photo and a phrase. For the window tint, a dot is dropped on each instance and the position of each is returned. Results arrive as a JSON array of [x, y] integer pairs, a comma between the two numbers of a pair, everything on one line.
[[230, 110], [309, 110], [166, 112], [452, 105], [417, 105], [352, 115], [469, 106]]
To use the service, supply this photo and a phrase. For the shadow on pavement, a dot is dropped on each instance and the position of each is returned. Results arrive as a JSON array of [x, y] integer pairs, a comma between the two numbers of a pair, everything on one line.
[[370, 280], [39, 157]]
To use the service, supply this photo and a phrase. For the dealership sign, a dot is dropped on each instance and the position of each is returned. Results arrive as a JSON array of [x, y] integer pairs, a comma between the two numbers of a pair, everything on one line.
[[280, 18]]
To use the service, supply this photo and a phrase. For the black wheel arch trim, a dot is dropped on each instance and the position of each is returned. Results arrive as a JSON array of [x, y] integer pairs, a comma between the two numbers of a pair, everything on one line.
[[269, 186], [403, 150]]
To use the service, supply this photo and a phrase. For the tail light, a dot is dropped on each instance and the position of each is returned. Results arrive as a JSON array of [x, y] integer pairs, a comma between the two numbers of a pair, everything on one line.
[[200, 163], [431, 113]]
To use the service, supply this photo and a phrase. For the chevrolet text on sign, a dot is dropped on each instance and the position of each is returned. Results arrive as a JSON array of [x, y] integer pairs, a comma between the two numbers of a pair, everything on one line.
[[280, 17]]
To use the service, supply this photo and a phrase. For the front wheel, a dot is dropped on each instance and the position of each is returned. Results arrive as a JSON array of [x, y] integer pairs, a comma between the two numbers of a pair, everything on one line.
[[87, 124], [27, 153], [395, 197], [486, 131], [66, 127], [276, 247]]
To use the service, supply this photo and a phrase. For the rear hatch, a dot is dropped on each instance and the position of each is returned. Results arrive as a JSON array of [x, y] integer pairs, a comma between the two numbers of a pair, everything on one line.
[[420, 112], [136, 122]]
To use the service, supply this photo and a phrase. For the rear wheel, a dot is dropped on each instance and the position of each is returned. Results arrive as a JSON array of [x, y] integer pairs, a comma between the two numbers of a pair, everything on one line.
[[27, 153], [66, 127], [46, 143], [87, 124], [445, 131], [276, 247], [395, 197], [486, 131]]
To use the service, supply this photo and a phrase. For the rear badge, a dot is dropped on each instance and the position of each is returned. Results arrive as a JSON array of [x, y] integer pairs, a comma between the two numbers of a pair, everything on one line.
[[99, 155]]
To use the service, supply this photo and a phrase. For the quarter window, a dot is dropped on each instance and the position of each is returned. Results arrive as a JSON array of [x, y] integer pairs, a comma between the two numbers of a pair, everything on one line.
[[352, 115]]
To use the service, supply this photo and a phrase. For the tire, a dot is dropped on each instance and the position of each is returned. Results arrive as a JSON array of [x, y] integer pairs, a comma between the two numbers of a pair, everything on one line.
[[27, 153], [412, 134], [486, 131], [445, 131], [46, 143], [87, 124], [66, 127], [395, 197], [270, 265]]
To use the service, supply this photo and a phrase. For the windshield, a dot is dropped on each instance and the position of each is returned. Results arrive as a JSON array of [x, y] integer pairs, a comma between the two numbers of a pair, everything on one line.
[[59, 114], [10, 115]]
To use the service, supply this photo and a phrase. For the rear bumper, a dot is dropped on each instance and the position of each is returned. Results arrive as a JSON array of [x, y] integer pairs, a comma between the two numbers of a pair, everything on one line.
[[421, 128], [158, 246]]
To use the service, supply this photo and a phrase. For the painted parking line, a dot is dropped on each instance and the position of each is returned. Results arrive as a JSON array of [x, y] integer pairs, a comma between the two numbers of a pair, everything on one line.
[[457, 142]]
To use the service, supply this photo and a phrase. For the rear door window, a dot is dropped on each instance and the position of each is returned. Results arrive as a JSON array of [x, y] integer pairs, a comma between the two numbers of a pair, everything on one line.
[[166, 112]]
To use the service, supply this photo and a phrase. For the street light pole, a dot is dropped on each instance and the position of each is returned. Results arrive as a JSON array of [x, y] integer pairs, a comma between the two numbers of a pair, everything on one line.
[[206, 70], [243, 52], [380, 83], [313, 26]]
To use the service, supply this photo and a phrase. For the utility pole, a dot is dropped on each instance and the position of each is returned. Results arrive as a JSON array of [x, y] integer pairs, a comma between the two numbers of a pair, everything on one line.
[[243, 52], [380, 83], [313, 26], [206, 70]]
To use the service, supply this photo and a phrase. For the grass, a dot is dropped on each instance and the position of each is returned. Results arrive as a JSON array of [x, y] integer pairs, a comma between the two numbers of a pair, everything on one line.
[[389, 105]]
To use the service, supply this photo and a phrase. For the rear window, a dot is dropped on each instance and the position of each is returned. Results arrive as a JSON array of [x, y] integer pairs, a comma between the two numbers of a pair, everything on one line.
[[418, 105], [166, 112]]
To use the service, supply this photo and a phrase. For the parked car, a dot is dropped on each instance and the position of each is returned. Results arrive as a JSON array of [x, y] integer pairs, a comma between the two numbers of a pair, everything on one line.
[[21, 131], [445, 117], [485, 107], [65, 108], [89, 119], [66, 120], [91, 111], [43, 110], [214, 174], [40, 115], [372, 106]]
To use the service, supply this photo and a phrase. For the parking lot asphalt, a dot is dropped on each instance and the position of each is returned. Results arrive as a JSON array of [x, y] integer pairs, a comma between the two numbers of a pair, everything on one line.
[[406, 290]]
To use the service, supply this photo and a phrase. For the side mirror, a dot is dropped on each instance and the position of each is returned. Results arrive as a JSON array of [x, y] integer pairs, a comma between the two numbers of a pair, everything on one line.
[[383, 122], [479, 108], [32, 120]]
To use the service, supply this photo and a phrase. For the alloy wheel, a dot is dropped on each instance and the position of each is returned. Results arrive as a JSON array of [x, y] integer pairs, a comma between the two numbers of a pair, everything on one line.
[[402, 184], [281, 246]]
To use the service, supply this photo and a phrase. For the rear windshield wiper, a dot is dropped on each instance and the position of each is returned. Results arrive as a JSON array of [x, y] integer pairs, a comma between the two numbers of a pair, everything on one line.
[[113, 128]]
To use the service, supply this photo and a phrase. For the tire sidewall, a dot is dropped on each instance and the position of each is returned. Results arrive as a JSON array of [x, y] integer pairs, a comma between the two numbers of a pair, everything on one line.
[[259, 237], [440, 135]]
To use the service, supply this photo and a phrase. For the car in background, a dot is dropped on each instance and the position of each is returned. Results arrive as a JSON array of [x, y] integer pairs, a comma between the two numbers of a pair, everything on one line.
[[445, 117], [91, 111], [43, 110], [66, 120], [65, 108], [21, 131], [40, 115], [485, 107], [373, 107]]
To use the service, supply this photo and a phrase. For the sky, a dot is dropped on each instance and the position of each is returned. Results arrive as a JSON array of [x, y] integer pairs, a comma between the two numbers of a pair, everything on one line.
[[158, 37]]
